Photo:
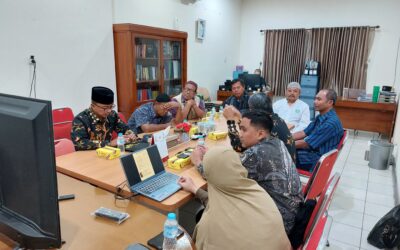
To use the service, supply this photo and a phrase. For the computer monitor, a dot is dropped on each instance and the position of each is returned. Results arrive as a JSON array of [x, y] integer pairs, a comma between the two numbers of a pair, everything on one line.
[[29, 213], [253, 81]]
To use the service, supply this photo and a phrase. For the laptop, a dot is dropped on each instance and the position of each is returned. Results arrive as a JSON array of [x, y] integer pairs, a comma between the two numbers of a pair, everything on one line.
[[145, 173]]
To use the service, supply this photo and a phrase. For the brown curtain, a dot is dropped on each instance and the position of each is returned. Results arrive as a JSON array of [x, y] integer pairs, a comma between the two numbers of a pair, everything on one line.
[[284, 58], [343, 53]]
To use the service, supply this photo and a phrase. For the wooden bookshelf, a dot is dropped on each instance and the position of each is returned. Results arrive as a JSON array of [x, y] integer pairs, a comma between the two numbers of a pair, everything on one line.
[[148, 61]]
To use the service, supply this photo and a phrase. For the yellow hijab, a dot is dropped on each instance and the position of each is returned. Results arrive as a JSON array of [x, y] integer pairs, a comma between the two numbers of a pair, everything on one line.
[[240, 214]]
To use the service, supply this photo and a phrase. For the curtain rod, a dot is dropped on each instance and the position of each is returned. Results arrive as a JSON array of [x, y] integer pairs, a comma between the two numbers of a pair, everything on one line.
[[374, 27]]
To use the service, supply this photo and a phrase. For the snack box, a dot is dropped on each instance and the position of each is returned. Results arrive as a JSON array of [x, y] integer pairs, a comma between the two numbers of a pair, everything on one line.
[[108, 152], [217, 135], [180, 160]]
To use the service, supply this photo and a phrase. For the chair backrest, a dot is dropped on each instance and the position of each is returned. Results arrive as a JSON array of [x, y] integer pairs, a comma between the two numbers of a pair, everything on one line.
[[62, 123], [343, 140], [63, 146], [204, 92], [320, 175], [319, 236], [322, 206]]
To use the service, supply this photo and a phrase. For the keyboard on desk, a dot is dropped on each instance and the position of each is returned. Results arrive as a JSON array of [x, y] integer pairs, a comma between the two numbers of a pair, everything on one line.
[[159, 187]]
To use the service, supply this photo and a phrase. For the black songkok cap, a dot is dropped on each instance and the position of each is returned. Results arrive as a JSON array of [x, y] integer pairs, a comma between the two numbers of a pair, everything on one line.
[[102, 95], [163, 98]]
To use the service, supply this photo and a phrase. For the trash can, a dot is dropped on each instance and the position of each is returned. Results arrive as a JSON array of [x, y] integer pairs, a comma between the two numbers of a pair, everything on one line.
[[379, 154]]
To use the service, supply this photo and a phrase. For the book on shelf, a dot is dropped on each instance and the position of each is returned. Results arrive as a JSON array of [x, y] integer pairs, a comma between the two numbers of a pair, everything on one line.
[[146, 73], [146, 50], [172, 50], [146, 94]]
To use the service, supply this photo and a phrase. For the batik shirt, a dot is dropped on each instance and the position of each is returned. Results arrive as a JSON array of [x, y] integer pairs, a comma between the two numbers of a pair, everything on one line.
[[270, 165], [240, 104], [90, 132], [146, 114], [279, 130]]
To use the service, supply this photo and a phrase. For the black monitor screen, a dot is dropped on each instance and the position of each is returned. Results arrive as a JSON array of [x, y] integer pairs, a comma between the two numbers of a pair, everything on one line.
[[253, 81], [29, 211]]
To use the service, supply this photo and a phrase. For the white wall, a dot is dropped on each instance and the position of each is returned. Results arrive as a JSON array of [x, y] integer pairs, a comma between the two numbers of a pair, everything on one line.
[[72, 43], [276, 14], [209, 62]]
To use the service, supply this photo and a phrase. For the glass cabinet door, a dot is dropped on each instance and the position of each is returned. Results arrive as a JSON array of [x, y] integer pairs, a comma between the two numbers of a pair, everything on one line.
[[172, 62], [147, 68]]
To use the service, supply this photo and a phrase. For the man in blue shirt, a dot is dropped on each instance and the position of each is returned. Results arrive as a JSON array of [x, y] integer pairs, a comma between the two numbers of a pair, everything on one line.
[[322, 135], [240, 98], [155, 116]]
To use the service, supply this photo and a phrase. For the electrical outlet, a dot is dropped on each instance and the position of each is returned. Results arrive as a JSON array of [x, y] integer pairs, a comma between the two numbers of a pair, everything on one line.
[[32, 59]]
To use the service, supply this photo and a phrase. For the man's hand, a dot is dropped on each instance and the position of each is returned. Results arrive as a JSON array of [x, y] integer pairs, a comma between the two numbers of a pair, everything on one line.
[[187, 184], [198, 154], [171, 105], [130, 138], [190, 103], [114, 142], [231, 113]]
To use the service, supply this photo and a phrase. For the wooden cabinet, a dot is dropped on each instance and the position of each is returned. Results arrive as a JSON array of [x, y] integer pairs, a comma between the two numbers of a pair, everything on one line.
[[368, 116], [148, 61]]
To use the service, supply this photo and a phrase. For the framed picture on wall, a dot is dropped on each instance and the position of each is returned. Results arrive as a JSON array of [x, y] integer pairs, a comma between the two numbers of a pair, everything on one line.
[[200, 29]]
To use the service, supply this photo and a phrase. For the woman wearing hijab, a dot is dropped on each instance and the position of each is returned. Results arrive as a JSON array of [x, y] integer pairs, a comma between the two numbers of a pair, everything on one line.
[[239, 214]]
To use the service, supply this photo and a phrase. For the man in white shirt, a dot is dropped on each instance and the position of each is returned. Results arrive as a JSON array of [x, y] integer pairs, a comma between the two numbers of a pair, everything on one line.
[[295, 112]]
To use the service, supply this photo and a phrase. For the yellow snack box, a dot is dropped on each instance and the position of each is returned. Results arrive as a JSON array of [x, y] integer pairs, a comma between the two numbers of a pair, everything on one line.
[[108, 152], [217, 135], [180, 160], [193, 130]]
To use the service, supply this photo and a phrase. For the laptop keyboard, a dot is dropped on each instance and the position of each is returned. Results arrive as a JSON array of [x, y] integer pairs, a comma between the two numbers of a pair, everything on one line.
[[157, 183]]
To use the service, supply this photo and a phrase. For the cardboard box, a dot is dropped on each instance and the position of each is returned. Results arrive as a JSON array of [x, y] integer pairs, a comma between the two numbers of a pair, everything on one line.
[[108, 152]]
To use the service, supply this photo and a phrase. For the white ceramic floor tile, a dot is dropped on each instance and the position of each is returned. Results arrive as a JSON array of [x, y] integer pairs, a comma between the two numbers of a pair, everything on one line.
[[346, 217], [387, 200], [354, 183], [337, 245], [355, 174], [357, 167], [369, 222], [376, 210], [381, 179], [364, 243], [388, 172], [354, 193], [381, 188], [347, 203], [346, 234], [356, 160]]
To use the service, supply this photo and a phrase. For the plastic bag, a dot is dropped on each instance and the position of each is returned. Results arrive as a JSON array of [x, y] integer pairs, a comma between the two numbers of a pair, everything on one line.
[[386, 232]]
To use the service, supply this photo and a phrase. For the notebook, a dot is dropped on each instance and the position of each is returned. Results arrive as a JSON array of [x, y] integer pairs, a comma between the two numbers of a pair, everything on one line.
[[145, 173]]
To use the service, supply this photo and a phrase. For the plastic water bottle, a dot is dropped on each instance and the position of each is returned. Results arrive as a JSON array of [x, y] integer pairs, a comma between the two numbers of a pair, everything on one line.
[[200, 142], [121, 142], [221, 112], [170, 232]]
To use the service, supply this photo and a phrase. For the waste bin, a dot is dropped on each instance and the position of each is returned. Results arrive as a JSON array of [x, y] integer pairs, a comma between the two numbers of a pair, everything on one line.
[[379, 154]]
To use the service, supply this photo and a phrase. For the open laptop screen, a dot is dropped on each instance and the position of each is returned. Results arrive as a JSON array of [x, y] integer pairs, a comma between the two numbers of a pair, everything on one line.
[[136, 165]]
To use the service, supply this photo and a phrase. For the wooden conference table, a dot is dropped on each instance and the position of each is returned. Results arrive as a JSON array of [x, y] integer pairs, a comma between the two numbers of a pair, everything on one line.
[[109, 175], [81, 230]]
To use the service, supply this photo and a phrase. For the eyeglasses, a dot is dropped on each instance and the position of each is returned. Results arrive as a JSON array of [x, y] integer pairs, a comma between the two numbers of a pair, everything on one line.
[[189, 90], [110, 107]]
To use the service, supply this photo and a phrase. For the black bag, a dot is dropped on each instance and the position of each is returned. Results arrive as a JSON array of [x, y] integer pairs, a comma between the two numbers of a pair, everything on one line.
[[386, 232], [296, 235]]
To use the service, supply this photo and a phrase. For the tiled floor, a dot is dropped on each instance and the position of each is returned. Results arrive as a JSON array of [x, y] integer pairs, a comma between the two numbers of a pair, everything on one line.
[[363, 196]]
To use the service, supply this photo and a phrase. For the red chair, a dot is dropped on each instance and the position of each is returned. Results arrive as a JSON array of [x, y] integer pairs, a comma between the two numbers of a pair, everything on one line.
[[62, 123], [318, 226], [320, 176], [63, 146], [341, 144], [122, 117], [343, 140]]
